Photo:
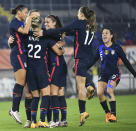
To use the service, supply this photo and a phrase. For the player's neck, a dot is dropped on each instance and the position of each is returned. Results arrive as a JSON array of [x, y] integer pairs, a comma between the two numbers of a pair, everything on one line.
[[18, 18], [108, 44]]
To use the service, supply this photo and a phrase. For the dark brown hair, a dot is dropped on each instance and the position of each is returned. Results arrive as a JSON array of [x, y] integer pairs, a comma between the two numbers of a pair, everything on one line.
[[90, 16], [18, 8], [56, 19]]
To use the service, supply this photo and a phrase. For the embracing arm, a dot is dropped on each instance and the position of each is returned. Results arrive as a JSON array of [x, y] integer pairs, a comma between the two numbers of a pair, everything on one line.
[[68, 28], [26, 29], [122, 55]]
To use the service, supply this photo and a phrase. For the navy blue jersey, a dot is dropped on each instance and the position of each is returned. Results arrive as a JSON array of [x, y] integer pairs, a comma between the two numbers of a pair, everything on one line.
[[53, 58], [109, 59], [83, 38], [17, 45], [37, 48]]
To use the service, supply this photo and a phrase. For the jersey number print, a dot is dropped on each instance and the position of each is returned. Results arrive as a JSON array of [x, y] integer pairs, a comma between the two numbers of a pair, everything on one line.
[[31, 47], [86, 39]]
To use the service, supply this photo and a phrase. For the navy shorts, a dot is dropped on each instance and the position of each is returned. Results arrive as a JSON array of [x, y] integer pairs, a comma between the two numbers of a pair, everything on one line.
[[58, 75], [37, 76], [106, 78], [81, 67], [18, 61]]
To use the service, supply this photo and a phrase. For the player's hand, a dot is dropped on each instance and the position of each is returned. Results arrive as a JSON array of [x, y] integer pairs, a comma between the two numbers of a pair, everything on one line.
[[60, 44], [63, 35], [10, 40], [39, 33]]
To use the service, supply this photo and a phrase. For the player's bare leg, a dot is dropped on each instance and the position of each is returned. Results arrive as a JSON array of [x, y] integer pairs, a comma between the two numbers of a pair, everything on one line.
[[100, 92], [20, 77], [112, 101], [82, 98]]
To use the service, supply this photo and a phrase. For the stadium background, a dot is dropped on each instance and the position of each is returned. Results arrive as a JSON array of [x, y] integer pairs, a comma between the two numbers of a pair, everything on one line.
[[120, 15]]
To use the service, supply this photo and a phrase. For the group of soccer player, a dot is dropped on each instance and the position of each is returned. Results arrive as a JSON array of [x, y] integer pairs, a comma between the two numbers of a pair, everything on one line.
[[39, 65], [42, 59]]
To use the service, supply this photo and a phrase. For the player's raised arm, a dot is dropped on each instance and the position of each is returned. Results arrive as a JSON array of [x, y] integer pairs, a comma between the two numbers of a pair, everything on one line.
[[122, 55], [18, 11]]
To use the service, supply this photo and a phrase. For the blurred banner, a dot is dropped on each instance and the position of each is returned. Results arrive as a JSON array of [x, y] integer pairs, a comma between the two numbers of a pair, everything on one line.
[[5, 59], [6, 87], [5, 56], [130, 53]]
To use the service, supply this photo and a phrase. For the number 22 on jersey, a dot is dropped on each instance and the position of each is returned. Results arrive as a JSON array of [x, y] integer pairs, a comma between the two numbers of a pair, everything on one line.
[[32, 54]]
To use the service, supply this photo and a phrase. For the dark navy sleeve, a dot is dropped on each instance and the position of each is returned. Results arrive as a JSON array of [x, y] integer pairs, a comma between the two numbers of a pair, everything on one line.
[[70, 27], [122, 55], [14, 25], [51, 43], [95, 58]]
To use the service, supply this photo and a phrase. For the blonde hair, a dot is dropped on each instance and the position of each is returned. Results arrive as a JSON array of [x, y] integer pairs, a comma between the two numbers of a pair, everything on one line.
[[36, 22]]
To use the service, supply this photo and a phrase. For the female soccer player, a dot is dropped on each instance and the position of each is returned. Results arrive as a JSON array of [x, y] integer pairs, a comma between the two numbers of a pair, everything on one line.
[[109, 75], [58, 72], [37, 72], [18, 56], [83, 28], [28, 94], [36, 80]]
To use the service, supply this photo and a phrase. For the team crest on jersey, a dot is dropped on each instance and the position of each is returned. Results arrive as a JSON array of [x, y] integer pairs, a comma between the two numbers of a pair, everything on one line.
[[106, 52], [113, 52]]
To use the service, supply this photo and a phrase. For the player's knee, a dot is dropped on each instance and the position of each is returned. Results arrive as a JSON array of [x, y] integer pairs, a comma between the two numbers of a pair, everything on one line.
[[36, 93], [54, 93], [21, 81], [61, 92], [82, 94], [100, 94], [28, 95], [110, 91]]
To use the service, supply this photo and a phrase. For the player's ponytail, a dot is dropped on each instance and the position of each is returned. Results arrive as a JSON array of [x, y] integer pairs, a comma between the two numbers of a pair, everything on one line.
[[58, 22], [91, 18], [18, 8], [13, 11], [56, 19]]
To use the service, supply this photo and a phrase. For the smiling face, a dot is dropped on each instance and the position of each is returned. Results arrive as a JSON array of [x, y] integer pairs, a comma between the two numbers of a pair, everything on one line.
[[22, 13], [107, 36], [49, 23]]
